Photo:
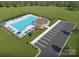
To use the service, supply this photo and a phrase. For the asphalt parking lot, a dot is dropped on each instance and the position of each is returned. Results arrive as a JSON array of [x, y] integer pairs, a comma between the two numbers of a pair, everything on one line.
[[53, 41]]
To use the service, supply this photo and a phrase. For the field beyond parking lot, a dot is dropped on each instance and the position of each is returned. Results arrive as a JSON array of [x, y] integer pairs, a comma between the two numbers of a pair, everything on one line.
[[12, 46]]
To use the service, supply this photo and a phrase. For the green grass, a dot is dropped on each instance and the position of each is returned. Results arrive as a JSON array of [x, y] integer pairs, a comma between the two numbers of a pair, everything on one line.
[[11, 46]]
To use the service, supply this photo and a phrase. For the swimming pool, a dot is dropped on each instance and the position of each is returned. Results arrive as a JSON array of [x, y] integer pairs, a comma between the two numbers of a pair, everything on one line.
[[20, 25]]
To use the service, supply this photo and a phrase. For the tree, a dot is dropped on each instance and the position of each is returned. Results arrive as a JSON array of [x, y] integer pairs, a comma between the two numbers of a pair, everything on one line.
[[76, 30], [1, 4], [66, 50], [27, 42], [30, 34], [7, 4], [72, 5]]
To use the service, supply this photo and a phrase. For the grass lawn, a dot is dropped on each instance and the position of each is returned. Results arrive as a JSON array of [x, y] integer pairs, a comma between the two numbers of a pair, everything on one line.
[[12, 46]]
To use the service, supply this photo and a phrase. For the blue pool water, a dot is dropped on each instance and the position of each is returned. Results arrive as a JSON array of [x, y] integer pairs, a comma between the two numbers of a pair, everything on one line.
[[20, 25]]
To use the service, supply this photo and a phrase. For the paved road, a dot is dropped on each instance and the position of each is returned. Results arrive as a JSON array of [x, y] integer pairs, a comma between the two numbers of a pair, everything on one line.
[[52, 42]]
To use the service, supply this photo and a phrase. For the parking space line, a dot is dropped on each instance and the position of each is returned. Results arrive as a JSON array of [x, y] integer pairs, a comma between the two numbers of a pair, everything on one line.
[[40, 44], [48, 36], [60, 27], [47, 39], [57, 29], [44, 41], [53, 32], [51, 35]]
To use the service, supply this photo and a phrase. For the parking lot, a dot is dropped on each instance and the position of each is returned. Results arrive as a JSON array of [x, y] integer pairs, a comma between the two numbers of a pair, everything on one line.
[[53, 41]]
